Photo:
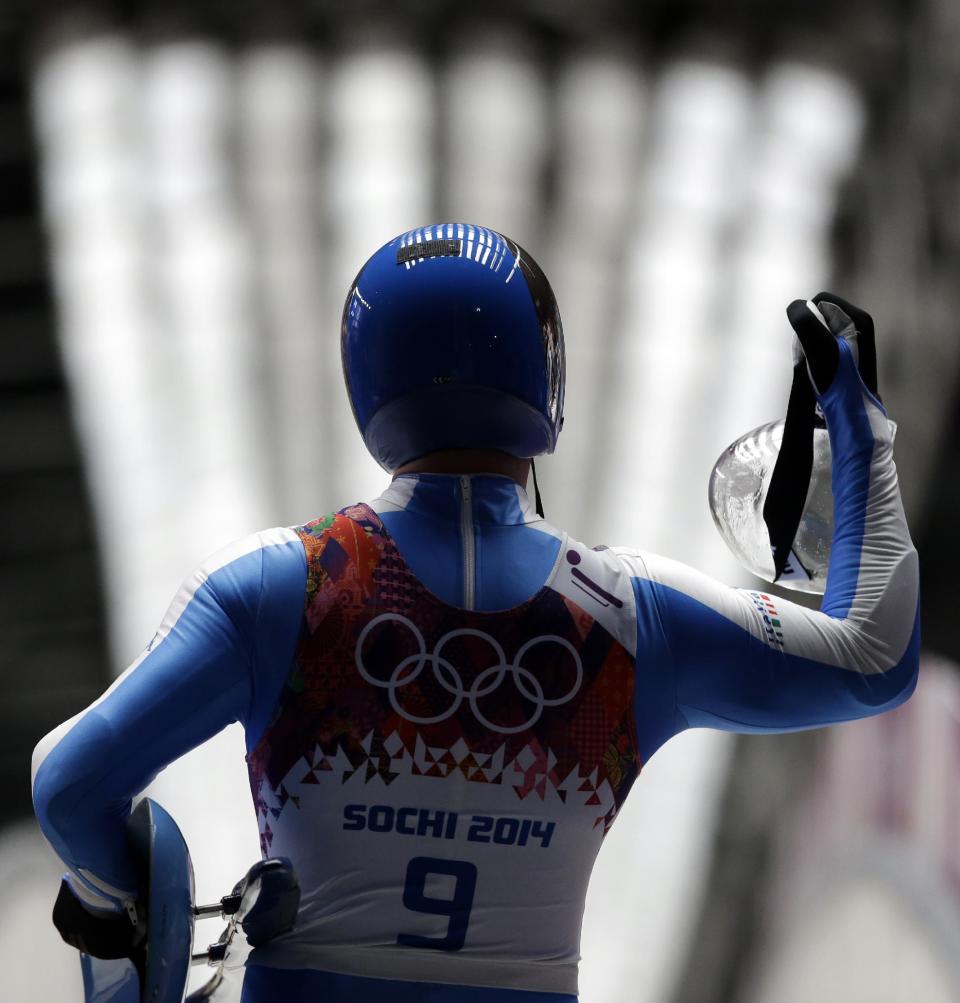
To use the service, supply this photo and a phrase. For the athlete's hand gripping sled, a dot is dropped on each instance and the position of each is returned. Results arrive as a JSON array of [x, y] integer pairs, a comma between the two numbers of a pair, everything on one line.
[[264, 904]]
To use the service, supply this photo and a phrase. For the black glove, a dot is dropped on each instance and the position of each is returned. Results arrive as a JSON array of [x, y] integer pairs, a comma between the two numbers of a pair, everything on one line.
[[787, 494], [108, 935], [820, 345]]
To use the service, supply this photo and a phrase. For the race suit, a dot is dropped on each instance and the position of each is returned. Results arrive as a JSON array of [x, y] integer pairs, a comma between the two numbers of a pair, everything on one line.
[[446, 701]]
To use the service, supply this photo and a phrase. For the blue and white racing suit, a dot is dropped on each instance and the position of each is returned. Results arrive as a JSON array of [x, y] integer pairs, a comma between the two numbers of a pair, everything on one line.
[[446, 700]]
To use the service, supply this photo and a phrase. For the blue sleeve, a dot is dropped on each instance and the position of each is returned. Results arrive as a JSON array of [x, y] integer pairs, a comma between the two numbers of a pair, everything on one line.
[[713, 656], [219, 656]]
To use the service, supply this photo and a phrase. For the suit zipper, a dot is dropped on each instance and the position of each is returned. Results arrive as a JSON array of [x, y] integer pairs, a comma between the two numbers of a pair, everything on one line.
[[469, 544]]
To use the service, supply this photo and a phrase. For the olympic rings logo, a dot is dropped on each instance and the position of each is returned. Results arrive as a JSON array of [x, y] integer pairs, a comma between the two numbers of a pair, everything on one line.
[[446, 674]]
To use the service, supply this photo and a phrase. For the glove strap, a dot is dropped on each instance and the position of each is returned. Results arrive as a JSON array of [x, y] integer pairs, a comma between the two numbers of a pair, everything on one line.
[[790, 481]]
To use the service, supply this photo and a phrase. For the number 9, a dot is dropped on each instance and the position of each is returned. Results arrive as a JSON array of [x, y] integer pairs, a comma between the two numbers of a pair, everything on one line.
[[457, 909]]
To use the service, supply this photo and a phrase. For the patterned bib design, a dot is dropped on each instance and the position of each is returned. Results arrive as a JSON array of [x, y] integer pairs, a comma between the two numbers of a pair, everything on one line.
[[390, 681], [442, 779]]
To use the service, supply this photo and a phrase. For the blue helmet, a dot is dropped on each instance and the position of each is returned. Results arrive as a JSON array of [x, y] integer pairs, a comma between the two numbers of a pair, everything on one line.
[[451, 338]]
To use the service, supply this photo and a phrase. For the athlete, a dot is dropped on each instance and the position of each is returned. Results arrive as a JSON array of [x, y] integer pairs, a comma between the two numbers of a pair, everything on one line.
[[447, 699]]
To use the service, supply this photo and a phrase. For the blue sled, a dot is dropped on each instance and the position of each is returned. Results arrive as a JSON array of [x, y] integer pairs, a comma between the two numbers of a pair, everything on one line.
[[264, 904], [162, 857]]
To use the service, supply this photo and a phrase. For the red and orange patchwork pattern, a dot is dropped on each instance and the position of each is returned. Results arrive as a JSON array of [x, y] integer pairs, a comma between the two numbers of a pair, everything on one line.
[[390, 681]]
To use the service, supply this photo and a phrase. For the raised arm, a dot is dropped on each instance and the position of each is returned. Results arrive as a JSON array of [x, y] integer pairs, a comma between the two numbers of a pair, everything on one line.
[[715, 656]]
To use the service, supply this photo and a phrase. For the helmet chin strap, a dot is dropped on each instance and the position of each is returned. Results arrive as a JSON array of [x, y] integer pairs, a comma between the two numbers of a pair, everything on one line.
[[536, 488]]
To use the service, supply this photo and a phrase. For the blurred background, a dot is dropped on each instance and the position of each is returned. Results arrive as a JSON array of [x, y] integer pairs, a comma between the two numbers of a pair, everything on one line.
[[186, 191]]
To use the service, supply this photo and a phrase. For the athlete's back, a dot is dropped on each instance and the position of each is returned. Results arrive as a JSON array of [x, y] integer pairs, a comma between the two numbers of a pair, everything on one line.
[[458, 766]]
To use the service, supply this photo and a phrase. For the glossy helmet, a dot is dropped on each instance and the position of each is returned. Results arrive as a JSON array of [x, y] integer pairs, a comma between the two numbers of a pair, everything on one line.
[[451, 338]]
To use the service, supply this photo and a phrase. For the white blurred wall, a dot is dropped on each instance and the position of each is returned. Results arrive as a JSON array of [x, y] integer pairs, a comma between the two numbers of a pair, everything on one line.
[[865, 905]]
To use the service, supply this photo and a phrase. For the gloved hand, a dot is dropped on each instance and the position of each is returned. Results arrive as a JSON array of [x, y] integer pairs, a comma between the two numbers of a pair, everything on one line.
[[815, 366], [101, 935], [819, 341]]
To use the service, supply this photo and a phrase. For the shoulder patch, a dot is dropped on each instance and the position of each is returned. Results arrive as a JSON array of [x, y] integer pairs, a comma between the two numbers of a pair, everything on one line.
[[596, 581]]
